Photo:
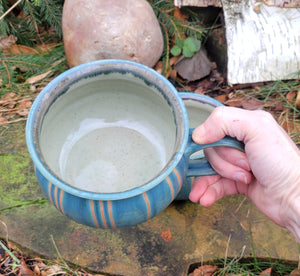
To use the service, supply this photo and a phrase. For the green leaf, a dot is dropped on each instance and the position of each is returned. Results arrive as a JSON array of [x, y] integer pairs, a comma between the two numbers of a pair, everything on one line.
[[192, 44], [187, 52], [176, 50]]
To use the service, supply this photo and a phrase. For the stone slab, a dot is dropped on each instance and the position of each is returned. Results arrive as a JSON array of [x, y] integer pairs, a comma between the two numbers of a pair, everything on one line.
[[183, 234]]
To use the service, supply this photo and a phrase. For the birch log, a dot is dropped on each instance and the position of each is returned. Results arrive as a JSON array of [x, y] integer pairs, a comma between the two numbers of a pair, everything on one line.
[[217, 3], [263, 42], [198, 3]]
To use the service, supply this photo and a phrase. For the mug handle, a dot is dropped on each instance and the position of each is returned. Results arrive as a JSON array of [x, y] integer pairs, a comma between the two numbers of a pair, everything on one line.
[[199, 165]]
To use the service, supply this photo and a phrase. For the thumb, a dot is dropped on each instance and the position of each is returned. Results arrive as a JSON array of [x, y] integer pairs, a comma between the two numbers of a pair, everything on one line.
[[224, 121]]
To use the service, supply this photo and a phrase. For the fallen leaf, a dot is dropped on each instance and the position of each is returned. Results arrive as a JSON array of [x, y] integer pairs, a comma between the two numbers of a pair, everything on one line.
[[37, 78], [204, 270], [159, 67], [52, 270], [18, 49], [291, 95], [24, 269], [23, 112], [166, 235], [25, 103], [221, 98], [178, 14], [235, 102], [8, 103], [8, 96], [252, 104], [267, 271], [3, 120]]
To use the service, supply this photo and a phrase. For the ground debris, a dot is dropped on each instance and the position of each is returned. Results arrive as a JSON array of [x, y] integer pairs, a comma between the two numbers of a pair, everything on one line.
[[14, 263]]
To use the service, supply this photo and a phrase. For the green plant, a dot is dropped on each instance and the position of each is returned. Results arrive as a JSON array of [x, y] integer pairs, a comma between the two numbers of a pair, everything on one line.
[[188, 47], [28, 20], [186, 31], [18, 68]]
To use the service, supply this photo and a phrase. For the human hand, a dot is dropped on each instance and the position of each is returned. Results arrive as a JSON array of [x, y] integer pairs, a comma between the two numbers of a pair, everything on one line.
[[268, 172]]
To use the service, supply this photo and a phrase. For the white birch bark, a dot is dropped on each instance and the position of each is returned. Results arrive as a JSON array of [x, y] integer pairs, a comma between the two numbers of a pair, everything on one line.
[[217, 3], [197, 3], [263, 42]]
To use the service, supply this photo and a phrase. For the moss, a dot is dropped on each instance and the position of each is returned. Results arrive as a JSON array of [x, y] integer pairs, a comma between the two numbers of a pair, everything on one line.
[[17, 178]]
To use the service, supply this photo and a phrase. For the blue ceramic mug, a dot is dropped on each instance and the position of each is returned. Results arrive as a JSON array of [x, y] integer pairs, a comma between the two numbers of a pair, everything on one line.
[[111, 143]]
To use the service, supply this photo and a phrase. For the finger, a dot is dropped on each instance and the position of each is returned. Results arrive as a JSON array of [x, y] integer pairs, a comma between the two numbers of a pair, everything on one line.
[[233, 156], [200, 186], [227, 169], [209, 189]]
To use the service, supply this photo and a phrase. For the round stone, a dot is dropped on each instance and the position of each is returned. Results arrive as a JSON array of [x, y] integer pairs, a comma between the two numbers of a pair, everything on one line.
[[111, 29]]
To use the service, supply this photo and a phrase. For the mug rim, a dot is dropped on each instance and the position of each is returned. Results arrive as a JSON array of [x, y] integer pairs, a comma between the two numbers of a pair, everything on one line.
[[200, 98], [73, 73]]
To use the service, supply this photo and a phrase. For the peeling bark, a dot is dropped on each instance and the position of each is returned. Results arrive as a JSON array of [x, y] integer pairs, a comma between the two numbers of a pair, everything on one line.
[[263, 42]]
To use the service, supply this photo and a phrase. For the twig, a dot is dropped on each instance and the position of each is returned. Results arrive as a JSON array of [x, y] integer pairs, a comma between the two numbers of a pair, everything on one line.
[[226, 252], [6, 230], [10, 253], [10, 9], [7, 71], [58, 253]]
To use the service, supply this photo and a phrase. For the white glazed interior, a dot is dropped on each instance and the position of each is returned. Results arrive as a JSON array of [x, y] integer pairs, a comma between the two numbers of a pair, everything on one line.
[[108, 133], [197, 111]]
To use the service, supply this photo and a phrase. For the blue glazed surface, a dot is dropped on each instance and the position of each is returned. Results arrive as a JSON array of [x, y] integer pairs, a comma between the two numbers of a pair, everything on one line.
[[109, 210], [131, 207]]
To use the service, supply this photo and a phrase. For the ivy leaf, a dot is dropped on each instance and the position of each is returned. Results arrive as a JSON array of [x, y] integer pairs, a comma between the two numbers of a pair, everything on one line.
[[176, 50]]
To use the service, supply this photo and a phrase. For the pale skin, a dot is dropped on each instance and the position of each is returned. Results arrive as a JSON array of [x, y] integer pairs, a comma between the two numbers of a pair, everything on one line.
[[268, 172]]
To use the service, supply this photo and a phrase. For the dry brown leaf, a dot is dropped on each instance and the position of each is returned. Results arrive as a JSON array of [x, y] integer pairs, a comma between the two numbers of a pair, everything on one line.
[[267, 271], [18, 49], [252, 104], [23, 112], [291, 95], [8, 103], [25, 270], [25, 103], [9, 96], [221, 98], [204, 270], [3, 120], [52, 270], [235, 102], [178, 14], [159, 67], [38, 78]]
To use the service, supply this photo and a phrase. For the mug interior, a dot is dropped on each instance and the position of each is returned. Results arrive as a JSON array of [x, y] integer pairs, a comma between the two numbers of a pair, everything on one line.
[[197, 111], [108, 131]]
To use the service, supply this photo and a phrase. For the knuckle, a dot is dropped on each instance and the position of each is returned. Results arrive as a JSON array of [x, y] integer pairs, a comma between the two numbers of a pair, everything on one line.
[[265, 116], [218, 112]]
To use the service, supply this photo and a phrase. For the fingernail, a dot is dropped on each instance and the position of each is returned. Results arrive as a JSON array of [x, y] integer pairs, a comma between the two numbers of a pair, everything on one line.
[[241, 177], [243, 164], [198, 134]]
